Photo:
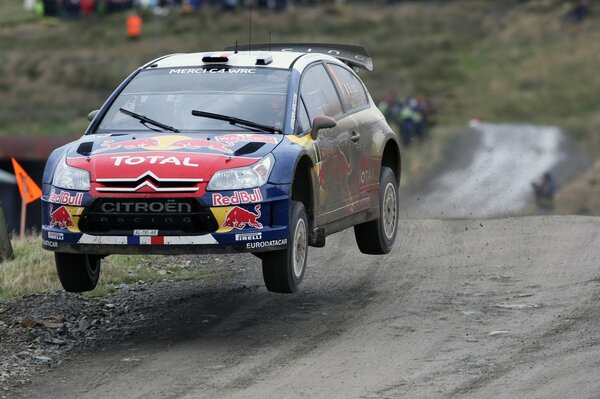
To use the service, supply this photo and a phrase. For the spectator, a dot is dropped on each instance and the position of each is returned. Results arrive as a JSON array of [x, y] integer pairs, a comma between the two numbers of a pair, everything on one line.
[[579, 12], [544, 193], [87, 7], [134, 26]]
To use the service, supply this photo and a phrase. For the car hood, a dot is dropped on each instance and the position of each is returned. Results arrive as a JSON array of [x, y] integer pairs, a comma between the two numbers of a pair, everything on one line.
[[167, 156]]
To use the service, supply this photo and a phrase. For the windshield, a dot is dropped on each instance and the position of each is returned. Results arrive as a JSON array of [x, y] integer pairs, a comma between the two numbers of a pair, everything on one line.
[[169, 95]]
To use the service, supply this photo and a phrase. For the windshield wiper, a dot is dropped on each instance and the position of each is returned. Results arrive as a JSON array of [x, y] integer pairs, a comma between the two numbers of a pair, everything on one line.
[[236, 121], [144, 119]]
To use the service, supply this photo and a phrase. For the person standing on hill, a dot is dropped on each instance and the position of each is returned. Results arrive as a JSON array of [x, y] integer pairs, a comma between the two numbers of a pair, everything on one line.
[[544, 193], [134, 26]]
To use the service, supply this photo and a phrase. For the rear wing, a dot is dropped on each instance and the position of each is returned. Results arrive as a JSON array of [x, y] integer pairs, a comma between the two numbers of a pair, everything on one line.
[[354, 56]]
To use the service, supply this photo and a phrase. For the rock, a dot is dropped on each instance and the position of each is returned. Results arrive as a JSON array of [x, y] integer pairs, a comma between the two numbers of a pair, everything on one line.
[[43, 358], [56, 341], [52, 324], [499, 332], [517, 306], [28, 322]]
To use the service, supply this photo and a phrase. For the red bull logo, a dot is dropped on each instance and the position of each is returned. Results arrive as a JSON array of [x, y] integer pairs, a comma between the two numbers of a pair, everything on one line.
[[109, 145], [239, 218], [232, 139], [61, 218], [238, 197], [194, 144], [165, 143]]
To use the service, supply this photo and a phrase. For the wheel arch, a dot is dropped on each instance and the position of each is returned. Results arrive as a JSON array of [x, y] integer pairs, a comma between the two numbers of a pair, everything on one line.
[[303, 186], [392, 159]]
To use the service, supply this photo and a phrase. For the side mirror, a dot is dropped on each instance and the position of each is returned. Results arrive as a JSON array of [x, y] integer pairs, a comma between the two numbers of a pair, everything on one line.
[[321, 122], [93, 114]]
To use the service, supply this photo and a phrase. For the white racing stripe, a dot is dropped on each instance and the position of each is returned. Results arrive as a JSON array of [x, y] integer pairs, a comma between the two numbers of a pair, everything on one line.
[[207, 239]]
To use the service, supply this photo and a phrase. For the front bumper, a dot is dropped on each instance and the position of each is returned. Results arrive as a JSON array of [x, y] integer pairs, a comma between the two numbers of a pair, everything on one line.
[[248, 227]]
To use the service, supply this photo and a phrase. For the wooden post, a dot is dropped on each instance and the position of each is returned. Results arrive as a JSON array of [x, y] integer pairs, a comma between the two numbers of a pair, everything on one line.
[[6, 252], [23, 209]]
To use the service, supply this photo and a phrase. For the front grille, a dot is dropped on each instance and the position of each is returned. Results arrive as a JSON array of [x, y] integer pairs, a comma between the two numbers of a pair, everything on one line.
[[170, 216], [148, 182]]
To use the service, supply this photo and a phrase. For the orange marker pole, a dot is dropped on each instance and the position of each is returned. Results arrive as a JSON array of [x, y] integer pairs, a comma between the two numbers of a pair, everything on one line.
[[23, 209]]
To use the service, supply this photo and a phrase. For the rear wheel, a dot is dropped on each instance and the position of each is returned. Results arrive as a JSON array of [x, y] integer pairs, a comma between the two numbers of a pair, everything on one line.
[[283, 270], [377, 236], [76, 272]]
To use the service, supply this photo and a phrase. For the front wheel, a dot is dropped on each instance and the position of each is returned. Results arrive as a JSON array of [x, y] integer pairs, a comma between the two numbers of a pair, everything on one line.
[[283, 269], [77, 272], [377, 236]]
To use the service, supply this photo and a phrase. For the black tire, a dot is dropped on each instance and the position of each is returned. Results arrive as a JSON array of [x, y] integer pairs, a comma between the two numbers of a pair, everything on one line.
[[377, 237], [77, 273], [283, 270]]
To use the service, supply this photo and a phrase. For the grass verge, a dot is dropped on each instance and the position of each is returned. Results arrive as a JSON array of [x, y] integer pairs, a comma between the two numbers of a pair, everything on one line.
[[33, 271]]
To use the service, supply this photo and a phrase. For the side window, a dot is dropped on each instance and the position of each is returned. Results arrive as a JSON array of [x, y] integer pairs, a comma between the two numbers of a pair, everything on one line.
[[319, 94], [351, 89], [303, 120]]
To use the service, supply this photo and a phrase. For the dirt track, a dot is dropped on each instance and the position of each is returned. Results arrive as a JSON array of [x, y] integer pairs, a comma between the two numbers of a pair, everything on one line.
[[461, 308], [507, 309]]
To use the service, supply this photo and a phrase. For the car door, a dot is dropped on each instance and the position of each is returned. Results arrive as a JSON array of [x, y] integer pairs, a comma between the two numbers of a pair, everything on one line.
[[319, 97], [366, 157]]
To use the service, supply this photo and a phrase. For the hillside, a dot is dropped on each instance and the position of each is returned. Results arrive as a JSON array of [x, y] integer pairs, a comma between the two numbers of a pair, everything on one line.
[[513, 61]]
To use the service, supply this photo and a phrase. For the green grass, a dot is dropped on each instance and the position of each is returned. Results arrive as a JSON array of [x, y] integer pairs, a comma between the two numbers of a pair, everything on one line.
[[499, 61], [32, 270]]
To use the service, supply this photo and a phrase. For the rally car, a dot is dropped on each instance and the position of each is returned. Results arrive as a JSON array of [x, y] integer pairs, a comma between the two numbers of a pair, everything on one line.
[[266, 150]]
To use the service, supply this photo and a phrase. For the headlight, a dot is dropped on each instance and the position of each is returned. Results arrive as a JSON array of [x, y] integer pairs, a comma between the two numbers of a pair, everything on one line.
[[71, 178], [240, 178]]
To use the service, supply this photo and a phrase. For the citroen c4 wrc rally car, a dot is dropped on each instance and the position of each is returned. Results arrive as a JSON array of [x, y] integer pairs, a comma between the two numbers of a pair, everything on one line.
[[266, 150]]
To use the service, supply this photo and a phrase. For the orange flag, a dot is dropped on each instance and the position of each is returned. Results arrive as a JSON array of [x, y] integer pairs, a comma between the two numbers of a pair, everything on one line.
[[33, 191]]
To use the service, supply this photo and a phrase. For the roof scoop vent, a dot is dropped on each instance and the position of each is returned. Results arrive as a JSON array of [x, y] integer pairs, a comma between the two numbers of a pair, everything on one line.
[[264, 59]]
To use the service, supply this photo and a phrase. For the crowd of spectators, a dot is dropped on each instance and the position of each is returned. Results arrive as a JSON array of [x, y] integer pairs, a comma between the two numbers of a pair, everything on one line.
[[412, 116], [75, 8]]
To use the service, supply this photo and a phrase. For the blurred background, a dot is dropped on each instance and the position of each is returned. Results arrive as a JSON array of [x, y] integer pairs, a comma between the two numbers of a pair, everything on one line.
[[438, 65]]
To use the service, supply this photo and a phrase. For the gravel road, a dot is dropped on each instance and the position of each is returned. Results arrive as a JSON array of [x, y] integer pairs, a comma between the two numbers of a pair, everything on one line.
[[482, 308]]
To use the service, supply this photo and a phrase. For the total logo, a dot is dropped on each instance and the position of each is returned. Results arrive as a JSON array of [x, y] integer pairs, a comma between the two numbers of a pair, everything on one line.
[[238, 197], [153, 160]]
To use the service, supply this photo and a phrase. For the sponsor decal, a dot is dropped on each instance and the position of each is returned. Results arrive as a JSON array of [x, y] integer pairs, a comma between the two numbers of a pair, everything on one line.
[[248, 236], [231, 139], [239, 218], [152, 160], [65, 198], [55, 236], [61, 218], [185, 71], [108, 145], [146, 207], [206, 239], [51, 244], [367, 176], [238, 197], [193, 144], [163, 143], [141, 232], [265, 244]]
